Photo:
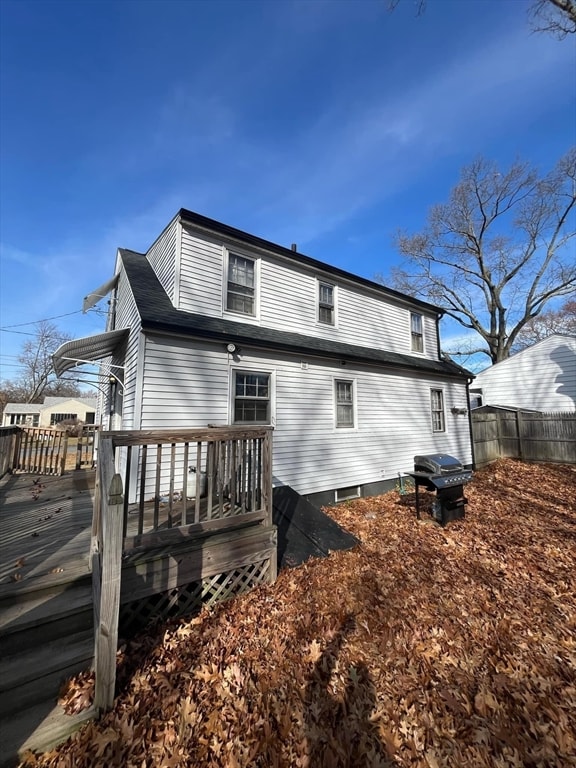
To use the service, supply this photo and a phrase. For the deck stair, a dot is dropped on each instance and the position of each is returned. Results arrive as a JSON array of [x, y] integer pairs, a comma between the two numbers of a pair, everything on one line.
[[46, 636], [46, 613]]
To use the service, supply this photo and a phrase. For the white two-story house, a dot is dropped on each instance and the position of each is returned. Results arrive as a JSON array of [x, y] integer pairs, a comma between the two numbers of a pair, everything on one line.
[[214, 326]]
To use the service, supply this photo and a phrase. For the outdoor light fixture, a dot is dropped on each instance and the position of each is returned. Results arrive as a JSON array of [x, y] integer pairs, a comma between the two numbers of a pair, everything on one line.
[[231, 348]]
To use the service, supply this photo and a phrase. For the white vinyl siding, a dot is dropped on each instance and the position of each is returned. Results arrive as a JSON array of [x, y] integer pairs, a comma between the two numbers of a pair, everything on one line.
[[541, 378], [288, 299], [162, 257], [201, 275], [127, 316], [187, 384]]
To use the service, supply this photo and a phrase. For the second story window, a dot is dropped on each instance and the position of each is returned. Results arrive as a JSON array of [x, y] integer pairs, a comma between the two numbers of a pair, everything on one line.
[[241, 284], [326, 303], [416, 331]]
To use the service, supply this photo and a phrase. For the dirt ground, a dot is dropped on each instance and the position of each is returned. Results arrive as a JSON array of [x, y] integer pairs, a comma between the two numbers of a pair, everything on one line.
[[424, 646]]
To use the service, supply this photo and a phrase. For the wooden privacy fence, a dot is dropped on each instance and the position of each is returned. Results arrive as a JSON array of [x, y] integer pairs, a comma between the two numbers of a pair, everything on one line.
[[181, 519], [524, 435]]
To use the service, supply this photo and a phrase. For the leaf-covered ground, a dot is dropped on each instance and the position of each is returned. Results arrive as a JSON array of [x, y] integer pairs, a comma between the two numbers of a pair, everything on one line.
[[423, 646]]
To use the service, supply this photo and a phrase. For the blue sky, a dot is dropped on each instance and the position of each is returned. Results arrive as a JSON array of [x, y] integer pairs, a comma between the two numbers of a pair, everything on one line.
[[329, 124]]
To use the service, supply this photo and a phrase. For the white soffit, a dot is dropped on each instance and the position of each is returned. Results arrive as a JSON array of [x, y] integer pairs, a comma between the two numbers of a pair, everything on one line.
[[94, 297], [87, 350]]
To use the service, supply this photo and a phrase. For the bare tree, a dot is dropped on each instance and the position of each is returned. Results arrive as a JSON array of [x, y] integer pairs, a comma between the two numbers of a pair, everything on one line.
[[38, 378], [558, 17], [562, 320], [555, 16], [498, 251]]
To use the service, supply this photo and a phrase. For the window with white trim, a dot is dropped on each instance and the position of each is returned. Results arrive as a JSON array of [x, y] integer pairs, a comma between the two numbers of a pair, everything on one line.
[[437, 410], [326, 305], [344, 396], [241, 285], [416, 332], [251, 397], [56, 418]]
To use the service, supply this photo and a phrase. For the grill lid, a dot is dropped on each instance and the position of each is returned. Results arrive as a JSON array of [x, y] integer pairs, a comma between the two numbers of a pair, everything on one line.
[[437, 464]]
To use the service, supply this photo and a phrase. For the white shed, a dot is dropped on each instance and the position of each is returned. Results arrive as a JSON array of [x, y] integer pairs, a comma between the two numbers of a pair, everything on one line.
[[541, 377]]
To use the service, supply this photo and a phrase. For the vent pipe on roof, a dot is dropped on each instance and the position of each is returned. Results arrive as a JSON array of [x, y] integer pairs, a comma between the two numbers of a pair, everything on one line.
[[294, 247]]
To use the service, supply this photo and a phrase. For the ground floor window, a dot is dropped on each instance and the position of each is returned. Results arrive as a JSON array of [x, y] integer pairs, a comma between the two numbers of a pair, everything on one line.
[[344, 394], [437, 407], [57, 418], [251, 397]]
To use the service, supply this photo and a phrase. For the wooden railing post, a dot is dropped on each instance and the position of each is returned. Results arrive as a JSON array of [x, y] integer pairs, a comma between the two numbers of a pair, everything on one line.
[[106, 644], [267, 491]]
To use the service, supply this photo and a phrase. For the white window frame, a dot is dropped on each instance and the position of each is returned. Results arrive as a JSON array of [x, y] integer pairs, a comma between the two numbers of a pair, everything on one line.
[[236, 252], [435, 412], [234, 372], [417, 338], [323, 305], [346, 494], [352, 382]]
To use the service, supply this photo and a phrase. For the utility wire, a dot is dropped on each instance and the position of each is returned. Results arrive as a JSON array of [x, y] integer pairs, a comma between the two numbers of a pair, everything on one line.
[[45, 320]]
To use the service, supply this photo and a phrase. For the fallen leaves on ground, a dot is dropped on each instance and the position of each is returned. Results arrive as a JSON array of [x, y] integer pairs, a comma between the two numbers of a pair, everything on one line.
[[423, 647]]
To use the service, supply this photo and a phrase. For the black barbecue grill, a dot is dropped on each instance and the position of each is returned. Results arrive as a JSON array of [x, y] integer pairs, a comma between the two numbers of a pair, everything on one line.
[[446, 476]]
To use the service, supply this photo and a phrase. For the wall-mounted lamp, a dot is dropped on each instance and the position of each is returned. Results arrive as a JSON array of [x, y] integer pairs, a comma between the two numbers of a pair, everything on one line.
[[231, 348]]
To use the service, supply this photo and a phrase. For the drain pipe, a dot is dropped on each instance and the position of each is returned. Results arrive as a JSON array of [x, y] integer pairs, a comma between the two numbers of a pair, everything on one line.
[[468, 382]]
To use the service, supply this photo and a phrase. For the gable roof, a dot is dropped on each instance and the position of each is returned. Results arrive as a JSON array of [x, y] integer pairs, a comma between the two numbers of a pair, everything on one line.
[[553, 341], [49, 402], [158, 314]]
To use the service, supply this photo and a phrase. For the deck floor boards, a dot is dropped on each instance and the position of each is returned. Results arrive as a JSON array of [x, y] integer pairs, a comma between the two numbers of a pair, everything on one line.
[[45, 527]]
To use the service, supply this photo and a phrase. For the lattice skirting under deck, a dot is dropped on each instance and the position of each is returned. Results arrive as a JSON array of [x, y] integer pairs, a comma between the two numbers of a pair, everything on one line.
[[189, 598]]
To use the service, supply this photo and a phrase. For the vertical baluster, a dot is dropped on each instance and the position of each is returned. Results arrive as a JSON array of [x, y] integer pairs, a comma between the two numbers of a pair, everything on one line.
[[157, 484], [221, 475], [171, 491], [143, 463], [127, 490], [233, 471], [210, 474], [198, 476], [183, 520]]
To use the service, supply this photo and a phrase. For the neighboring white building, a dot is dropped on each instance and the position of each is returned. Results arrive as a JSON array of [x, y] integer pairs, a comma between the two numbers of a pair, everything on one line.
[[216, 326], [51, 412], [541, 377]]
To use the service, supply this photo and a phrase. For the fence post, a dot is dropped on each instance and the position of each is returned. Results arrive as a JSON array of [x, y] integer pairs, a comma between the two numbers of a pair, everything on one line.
[[519, 427], [107, 629]]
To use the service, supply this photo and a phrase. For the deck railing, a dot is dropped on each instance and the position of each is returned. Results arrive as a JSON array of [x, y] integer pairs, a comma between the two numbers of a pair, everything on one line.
[[46, 450], [9, 437], [177, 495], [198, 480]]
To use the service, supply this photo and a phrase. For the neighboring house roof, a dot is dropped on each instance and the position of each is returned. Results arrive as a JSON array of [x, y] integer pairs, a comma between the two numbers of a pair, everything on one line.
[[158, 314], [49, 402], [211, 225], [23, 408], [90, 402]]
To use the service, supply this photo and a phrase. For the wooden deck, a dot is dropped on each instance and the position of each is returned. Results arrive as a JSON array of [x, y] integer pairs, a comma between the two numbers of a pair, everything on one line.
[[45, 525], [46, 632]]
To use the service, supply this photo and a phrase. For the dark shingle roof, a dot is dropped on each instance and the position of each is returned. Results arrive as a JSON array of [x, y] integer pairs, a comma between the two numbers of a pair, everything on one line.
[[158, 314]]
